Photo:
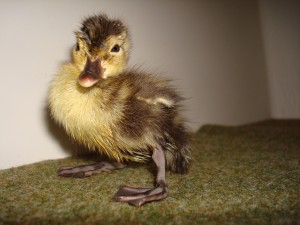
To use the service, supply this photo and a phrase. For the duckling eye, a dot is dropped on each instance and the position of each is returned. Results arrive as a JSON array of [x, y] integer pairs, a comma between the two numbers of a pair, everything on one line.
[[116, 48], [77, 47]]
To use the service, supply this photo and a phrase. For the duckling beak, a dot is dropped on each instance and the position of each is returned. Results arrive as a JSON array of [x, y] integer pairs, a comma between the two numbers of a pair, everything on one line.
[[91, 73]]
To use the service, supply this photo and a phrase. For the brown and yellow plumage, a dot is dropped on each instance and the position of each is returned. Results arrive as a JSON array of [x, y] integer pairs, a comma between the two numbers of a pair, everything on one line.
[[122, 113]]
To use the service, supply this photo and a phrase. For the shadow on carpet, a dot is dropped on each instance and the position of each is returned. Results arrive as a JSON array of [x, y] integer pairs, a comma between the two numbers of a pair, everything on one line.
[[240, 175]]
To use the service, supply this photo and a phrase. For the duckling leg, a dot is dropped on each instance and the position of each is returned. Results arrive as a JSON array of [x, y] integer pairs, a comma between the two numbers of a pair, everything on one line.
[[88, 170], [138, 196]]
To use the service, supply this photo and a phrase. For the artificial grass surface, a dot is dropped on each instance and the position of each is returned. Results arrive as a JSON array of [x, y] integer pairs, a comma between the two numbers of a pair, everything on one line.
[[240, 175]]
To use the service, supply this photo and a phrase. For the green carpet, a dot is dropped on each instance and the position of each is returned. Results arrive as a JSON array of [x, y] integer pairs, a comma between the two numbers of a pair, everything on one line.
[[240, 175]]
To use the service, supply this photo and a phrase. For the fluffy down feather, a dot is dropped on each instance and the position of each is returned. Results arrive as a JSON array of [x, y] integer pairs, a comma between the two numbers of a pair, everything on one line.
[[127, 112]]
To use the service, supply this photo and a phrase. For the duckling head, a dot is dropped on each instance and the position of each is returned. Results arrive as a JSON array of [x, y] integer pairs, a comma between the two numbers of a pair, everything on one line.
[[102, 49]]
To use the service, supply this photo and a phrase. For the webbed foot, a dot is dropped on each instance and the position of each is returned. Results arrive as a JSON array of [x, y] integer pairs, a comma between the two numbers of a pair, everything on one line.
[[88, 170], [138, 196]]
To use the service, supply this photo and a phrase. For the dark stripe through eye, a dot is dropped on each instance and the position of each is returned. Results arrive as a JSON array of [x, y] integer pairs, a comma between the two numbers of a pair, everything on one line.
[[77, 47]]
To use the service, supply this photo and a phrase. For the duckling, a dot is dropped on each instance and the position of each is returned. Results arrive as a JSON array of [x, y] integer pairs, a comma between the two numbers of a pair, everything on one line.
[[126, 114]]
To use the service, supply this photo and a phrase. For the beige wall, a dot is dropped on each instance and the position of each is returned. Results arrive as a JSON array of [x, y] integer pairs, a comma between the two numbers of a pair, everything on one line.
[[212, 49], [281, 37]]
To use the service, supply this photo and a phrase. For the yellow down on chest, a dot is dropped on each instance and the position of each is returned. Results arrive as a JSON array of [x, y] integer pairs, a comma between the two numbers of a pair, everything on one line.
[[81, 115]]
